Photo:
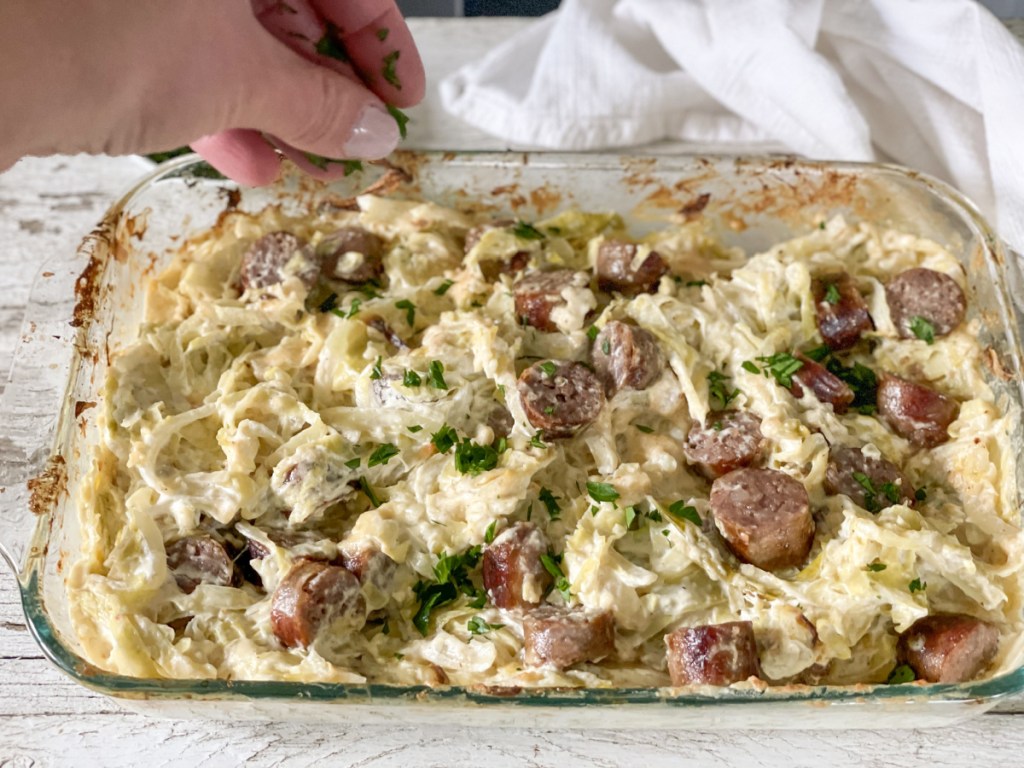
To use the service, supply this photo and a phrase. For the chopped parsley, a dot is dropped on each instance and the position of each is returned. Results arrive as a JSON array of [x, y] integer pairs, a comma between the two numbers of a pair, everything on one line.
[[321, 162], [410, 311], [364, 486], [442, 289], [923, 329], [411, 379], [525, 231], [329, 45], [875, 567], [322, 303], [832, 294], [375, 372], [870, 494], [655, 515], [400, 117], [537, 441], [415, 428], [548, 368], [750, 367], [719, 392], [549, 409], [920, 494], [891, 492], [550, 501], [489, 533], [501, 445], [859, 378], [633, 518], [382, 455], [436, 375], [817, 354], [901, 674], [382, 34], [353, 463], [478, 626], [451, 579], [606, 347], [388, 70], [602, 491], [472, 459], [444, 438], [781, 366], [917, 586], [592, 332], [644, 428], [683, 511], [695, 283], [353, 310], [552, 565]]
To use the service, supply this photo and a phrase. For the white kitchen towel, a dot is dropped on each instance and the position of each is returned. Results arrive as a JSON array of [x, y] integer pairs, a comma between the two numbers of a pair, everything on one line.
[[937, 85]]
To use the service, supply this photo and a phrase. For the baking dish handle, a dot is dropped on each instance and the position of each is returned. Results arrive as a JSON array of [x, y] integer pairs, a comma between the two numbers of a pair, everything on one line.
[[33, 406]]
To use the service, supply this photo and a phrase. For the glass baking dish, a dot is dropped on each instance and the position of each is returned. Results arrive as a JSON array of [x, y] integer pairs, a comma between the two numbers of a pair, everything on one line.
[[86, 306]]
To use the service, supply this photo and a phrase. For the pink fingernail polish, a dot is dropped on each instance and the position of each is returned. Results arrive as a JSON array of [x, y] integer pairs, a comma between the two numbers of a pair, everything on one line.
[[374, 135]]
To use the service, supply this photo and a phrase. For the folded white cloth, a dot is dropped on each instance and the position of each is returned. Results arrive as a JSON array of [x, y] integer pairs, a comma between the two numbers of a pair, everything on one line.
[[937, 85]]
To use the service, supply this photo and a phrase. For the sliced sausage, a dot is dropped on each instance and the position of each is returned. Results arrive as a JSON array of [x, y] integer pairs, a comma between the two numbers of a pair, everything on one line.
[[948, 648], [311, 596], [275, 257], [625, 356], [870, 483], [915, 411], [712, 654], [842, 314], [195, 560], [617, 272], [764, 516], [927, 294], [352, 254], [824, 384], [500, 421], [513, 574], [727, 440], [560, 398], [537, 294], [560, 637]]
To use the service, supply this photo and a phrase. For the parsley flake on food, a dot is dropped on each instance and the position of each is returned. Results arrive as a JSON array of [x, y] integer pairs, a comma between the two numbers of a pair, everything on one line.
[[875, 567], [442, 289], [411, 379], [592, 332], [400, 117], [382, 34], [719, 392], [781, 366], [364, 486], [923, 329], [444, 438], [410, 311], [382, 455], [602, 491], [472, 458], [388, 69], [550, 501], [451, 579], [477, 626], [644, 428], [525, 231], [552, 565], [353, 463], [917, 586], [436, 375], [904, 673], [683, 511], [548, 368], [489, 533], [329, 45], [832, 294], [375, 372]]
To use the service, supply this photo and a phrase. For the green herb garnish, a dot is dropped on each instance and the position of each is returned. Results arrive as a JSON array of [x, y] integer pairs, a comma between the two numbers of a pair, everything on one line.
[[592, 332], [472, 459], [923, 329], [537, 441], [870, 494], [410, 311], [444, 438], [478, 626], [683, 511], [436, 375], [401, 118], [891, 492], [415, 428], [917, 586], [548, 368], [875, 567], [489, 533], [920, 494], [781, 366], [525, 231], [364, 486], [695, 283], [719, 392], [353, 463], [382, 455], [632, 518], [442, 289], [832, 294], [550, 501], [602, 491], [901, 674], [551, 565], [452, 579], [411, 379], [388, 70], [330, 46], [382, 34], [750, 367], [644, 428], [375, 372]]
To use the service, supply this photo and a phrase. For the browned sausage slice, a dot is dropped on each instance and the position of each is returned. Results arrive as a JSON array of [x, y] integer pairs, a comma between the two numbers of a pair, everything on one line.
[[915, 411], [842, 314], [513, 574], [538, 293], [825, 385], [500, 421], [196, 560], [616, 271], [871, 483], [368, 564], [712, 654], [352, 254], [948, 648], [275, 257], [560, 638], [560, 398], [764, 516], [728, 440], [626, 356], [311, 596], [929, 295]]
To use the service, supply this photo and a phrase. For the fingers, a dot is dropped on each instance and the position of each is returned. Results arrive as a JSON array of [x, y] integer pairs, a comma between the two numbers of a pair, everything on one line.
[[242, 155], [379, 43]]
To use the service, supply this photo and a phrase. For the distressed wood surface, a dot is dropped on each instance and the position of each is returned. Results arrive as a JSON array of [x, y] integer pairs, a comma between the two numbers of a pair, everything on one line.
[[46, 207]]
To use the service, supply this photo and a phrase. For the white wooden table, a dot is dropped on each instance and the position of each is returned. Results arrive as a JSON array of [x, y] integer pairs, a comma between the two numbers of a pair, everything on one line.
[[46, 207]]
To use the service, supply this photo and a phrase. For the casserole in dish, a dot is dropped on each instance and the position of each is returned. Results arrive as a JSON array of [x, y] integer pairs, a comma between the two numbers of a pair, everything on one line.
[[751, 203]]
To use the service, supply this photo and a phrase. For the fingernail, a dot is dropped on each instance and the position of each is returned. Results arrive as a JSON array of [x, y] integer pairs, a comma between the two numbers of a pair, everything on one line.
[[374, 136]]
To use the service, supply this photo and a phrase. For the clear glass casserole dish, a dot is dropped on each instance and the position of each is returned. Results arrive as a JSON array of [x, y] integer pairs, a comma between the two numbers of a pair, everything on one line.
[[85, 307]]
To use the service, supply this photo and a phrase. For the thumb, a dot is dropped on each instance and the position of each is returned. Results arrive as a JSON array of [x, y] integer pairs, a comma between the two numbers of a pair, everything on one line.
[[318, 110]]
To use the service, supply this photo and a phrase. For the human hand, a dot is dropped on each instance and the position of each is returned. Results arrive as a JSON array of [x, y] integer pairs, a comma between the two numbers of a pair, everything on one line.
[[121, 77]]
